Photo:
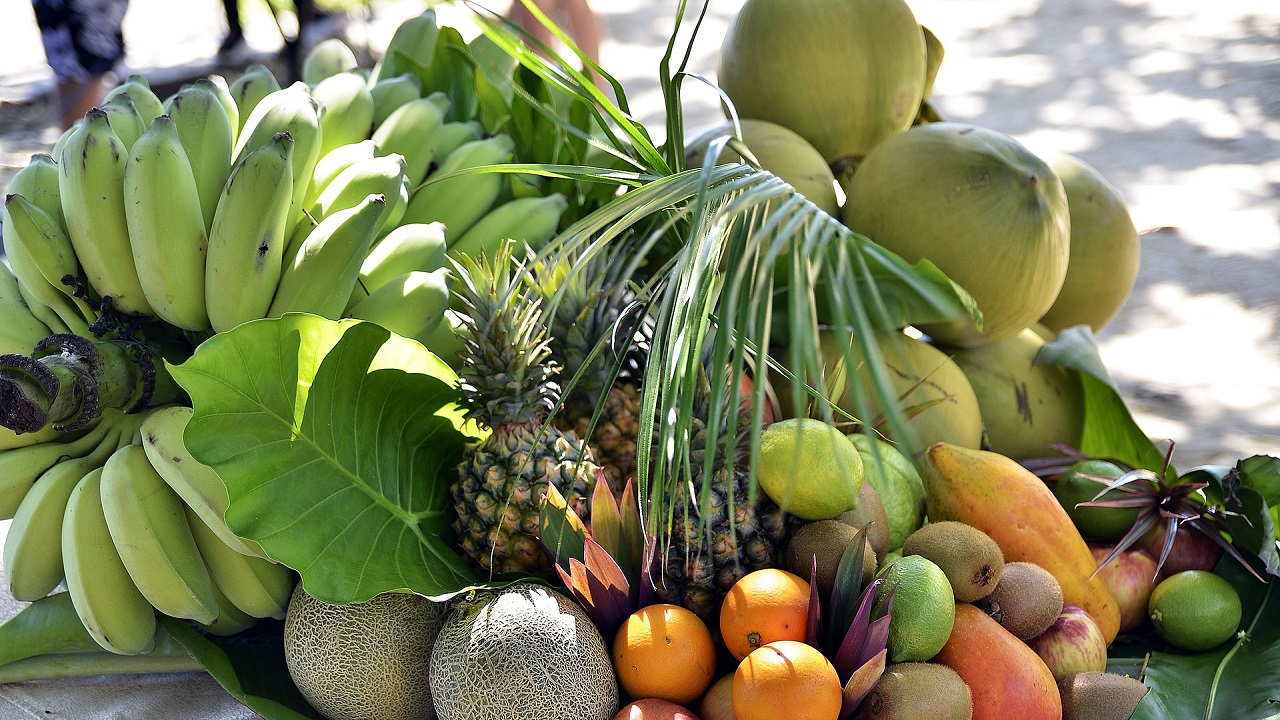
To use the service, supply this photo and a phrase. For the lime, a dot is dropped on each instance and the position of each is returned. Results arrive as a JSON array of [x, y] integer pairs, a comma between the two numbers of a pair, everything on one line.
[[923, 612], [896, 481], [1195, 610], [1094, 522], [809, 469]]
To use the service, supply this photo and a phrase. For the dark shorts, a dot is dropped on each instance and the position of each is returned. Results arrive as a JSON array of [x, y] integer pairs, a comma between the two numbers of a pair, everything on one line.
[[82, 38]]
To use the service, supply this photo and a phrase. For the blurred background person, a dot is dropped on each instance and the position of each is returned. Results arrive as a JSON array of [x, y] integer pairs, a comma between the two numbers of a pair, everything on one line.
[[575, 17], [83, 42]]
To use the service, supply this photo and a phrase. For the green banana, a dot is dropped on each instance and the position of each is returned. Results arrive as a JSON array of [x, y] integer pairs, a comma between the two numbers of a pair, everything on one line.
[[196, 483], [320, 278], [375, 176], [48, 625], [531, 221], [388, 95], [334, 162], [125, 121], [223, 91], [249, 89], [325, 59], [150, 531], [413, 131], [205, 131], [61, 142], [37, 181], [20, 330], [254, 585], [290, 110], [144, 100], [459, 202], [405, 249], [92, 190], [247, 238], [32, 551], [445, 340], [230, 620], [40, 311], [41, 257], [454, 135], [21, 467], [106, 598], [412, 47], [346, 110], [166, 228], [410, 305]]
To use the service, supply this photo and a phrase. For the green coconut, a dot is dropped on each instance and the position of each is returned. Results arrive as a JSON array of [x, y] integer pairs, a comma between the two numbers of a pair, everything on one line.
[[982, 207], [781, 152], [844, 74], [933, 54], [932, 391], [1104, 256], [1026, 407]]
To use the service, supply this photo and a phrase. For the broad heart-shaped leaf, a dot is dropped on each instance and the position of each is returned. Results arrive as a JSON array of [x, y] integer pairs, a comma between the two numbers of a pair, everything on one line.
[[337, 442], [1109, 429], [1246, 515]]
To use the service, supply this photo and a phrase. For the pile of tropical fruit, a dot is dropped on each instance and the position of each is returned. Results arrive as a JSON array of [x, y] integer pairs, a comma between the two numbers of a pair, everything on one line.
[[361, 392]]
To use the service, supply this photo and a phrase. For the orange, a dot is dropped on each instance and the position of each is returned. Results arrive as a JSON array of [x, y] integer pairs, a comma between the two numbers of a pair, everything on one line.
[[665, 652], [786, 679], [764, 606]]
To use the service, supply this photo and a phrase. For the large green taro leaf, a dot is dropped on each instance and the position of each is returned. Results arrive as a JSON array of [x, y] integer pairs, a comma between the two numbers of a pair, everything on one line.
[[337, 442]]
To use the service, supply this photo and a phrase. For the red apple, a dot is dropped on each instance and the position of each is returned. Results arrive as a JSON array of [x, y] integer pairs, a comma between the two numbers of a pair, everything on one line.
[[717, 704], [1191, 550], [654, 709], [1072, 644], [1131, 577]]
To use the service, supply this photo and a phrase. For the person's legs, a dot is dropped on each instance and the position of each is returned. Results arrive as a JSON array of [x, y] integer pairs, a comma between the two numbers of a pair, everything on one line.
[[83, 41], [575, 17], [235, 32]]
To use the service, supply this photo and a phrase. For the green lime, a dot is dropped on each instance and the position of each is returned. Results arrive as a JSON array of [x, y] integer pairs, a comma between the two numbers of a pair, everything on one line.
[[897, 483], [1195, 610], [924, 608], [1094, 522], [809, 468]]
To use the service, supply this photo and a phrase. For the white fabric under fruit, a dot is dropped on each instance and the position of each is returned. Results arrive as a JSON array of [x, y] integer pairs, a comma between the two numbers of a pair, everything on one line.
[[192, 696]]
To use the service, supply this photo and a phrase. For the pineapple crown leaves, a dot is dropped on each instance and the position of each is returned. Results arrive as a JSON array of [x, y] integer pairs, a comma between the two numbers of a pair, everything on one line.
[[854, 631], [507, 376]]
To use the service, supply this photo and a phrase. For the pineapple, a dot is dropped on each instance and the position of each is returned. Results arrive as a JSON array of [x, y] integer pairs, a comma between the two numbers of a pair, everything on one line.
[[508, 381], [714, 542], [590, 309]]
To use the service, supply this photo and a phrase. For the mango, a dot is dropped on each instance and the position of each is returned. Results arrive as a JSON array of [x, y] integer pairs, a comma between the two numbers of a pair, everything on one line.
[[1009, 503]]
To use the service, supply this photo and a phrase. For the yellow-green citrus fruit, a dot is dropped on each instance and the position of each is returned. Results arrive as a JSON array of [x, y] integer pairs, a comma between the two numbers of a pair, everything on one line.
[[896, 481], [844, 74], [809, 469], [1104, 249], [924, 609], [1026, 407], [1073, 488], [980, 206], [1195, 610]]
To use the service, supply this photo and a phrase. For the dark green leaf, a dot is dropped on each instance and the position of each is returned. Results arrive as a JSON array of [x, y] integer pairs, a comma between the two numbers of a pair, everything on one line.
[[1244, 515], [338, 442], [1262, 473]]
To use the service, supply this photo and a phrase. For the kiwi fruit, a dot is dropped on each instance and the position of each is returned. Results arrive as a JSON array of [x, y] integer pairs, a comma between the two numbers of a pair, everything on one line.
[[870, 514], [909, 691], [1100, 696], [826, 539], [1026, 601], [971, 560]]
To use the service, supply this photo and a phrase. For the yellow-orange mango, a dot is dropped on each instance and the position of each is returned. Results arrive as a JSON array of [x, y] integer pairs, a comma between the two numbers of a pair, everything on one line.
[[1006, 501]]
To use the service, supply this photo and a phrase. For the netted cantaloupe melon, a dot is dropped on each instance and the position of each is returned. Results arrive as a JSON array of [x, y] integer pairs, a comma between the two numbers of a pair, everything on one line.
[[844, 74], [1104, 249], [778, 150], [982, 207], [363, 661], [525, 651], [1026, 407]]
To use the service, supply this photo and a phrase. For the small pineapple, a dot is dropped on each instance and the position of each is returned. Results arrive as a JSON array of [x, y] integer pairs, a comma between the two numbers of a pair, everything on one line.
[[590, 307], [723, 536], [508, 381]]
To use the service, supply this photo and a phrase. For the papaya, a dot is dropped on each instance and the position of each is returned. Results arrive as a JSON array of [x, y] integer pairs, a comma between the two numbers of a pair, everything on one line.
[[1006, 678], [1007, 502]]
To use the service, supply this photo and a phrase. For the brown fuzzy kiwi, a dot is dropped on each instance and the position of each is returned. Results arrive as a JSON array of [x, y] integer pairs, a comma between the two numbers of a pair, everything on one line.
[[971, 560], [1100, 696], [827, 539], [870, 513], [909, 691], [1026, 601]]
